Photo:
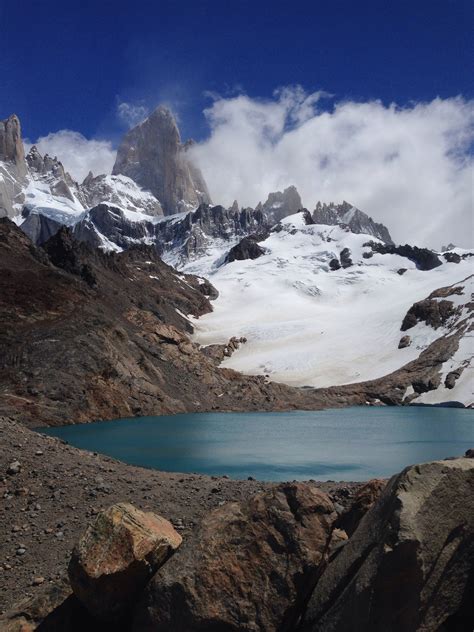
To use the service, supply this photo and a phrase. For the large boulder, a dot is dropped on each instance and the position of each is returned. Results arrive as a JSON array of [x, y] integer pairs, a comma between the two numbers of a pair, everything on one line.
[[116, 556], [364, 500], [251, 566], [410, 563]]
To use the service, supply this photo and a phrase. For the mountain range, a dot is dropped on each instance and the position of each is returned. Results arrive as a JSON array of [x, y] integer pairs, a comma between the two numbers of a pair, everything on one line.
[[321, 307]]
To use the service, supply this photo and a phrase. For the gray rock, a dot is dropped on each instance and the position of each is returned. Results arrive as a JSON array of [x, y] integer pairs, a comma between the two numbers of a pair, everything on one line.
[[450, 380], [347, 215], [14, 467], [405, 341], [13, 167], [11, 144], [281, 204], [409, 564], [153, 156]]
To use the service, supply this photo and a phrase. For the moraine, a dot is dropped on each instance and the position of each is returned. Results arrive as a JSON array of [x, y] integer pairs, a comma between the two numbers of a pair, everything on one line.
[[345, 444]]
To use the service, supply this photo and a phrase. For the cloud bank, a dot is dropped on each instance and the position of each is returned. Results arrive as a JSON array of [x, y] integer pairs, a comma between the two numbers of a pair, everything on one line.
[[78, 154], [410, 167]]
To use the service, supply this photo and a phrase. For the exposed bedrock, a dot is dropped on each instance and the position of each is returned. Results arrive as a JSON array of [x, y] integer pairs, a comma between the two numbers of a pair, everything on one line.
[[250, 567], [423, 258], [410, 563]]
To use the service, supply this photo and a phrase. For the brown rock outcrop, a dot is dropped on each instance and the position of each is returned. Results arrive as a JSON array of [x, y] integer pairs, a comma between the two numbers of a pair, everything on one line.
[[116, 557], [410, 563], [251, 566]]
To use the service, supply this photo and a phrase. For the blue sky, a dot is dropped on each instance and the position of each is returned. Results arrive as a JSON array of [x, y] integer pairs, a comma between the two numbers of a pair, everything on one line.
[[66, 65]]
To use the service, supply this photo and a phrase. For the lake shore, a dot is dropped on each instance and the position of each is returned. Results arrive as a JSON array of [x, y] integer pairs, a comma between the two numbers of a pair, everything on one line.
[[58, 489]]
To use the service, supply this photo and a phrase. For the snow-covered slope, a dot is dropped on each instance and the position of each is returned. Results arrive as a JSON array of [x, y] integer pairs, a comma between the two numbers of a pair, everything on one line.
[[306, 324]]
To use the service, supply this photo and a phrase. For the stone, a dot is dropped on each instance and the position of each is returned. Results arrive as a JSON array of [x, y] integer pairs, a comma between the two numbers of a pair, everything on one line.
[[116, 556], [14, 468], [409, 564], [250, 566], [37, 581], [452, 377], [52, 608], [405, 341], [364, 499], [247, 248]]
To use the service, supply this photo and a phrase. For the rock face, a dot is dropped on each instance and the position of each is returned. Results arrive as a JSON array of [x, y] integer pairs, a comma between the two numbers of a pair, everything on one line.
[[348, 215], [250, 567], [13, 167], [116, 557], [40, 228], [409, 564], [247, 248], [365, 498], [431, 311], [152, 155], [424, 258], [182, 238], [281, 204], [11, 145]]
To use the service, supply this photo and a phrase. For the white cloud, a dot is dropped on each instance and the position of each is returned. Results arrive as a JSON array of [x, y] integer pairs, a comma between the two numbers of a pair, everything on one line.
[[407, 167], [131, 114], [78, 154]]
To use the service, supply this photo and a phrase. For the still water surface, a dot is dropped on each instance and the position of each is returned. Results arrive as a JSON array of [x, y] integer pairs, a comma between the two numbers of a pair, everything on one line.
[[346, 444]]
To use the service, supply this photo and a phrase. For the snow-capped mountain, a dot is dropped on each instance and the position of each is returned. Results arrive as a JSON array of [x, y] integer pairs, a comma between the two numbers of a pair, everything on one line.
[[308, 323], [323, 298], [162, 177]]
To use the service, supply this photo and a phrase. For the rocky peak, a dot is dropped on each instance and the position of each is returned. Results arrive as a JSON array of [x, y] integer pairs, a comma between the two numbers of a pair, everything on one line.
[[281, 204], [348, 215], [153, 156], [11, 144], [46, 165]]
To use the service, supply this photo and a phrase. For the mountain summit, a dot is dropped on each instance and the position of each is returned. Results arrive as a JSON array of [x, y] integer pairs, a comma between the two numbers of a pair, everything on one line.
[[153, 156]]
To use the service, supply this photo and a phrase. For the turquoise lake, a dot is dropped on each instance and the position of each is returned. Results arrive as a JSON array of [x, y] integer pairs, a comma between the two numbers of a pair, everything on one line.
[[345, 444]]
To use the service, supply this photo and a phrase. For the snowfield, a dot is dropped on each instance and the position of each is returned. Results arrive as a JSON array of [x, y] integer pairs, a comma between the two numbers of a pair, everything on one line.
[[308, 325]]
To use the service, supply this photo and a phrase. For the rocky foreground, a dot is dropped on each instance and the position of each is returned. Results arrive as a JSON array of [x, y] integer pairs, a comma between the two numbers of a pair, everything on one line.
[[50, 491], [190, 553]]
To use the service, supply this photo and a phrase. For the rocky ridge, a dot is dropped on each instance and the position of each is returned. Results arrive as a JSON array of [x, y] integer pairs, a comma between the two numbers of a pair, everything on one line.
[[347, 215]]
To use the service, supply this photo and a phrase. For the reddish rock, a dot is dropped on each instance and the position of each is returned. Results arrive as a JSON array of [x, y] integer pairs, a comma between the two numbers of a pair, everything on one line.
[[116, 557], [251, 566], [363, 501]]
